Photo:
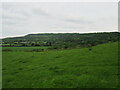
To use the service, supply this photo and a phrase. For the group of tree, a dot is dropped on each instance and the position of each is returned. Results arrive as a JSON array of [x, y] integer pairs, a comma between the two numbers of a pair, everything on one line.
[[62, 40]]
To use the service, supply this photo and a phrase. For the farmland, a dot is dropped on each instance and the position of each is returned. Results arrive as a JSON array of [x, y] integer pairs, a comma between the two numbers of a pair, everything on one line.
[[64, 68]]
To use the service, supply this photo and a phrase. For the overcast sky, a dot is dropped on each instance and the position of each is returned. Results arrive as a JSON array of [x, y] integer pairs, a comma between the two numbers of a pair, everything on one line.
[[50, 17]]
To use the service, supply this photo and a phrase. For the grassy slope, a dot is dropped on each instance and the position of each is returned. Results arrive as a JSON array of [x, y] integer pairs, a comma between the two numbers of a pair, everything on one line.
[[75, 68]]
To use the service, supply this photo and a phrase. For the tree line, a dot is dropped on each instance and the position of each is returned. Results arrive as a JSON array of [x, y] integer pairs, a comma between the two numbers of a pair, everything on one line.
[[61, 40]]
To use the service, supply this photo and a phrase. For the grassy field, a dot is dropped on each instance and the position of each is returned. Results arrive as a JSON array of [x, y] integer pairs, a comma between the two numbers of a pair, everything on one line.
[[73, 68]]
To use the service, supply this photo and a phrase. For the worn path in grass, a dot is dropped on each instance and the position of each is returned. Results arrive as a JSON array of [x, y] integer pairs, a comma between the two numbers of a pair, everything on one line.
[[75, 68]]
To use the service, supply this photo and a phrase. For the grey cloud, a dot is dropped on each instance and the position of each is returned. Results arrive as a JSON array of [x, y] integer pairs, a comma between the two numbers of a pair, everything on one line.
[[19, 19], [79, 21], [70, 27], [40, 12], [12, 18], [7, 20], [16, 10]]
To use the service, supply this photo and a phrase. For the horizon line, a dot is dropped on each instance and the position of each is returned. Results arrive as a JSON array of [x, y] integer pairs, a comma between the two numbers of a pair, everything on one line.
[[53, 33]]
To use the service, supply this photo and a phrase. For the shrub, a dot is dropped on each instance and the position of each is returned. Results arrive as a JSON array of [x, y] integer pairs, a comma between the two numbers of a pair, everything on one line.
[[37, 50]]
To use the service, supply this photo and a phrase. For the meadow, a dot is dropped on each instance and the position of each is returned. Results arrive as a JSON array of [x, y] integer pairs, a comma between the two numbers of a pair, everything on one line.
[[70, 68]]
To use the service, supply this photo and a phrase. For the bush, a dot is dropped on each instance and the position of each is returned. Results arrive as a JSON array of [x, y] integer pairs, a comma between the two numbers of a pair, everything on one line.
[[37, 50]]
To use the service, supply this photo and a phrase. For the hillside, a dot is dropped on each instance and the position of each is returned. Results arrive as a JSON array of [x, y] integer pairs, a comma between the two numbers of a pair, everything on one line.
[[62, 40], [72, 68]]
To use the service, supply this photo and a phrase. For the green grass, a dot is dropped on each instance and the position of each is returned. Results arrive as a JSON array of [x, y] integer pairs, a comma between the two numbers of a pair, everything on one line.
[[74, 68]]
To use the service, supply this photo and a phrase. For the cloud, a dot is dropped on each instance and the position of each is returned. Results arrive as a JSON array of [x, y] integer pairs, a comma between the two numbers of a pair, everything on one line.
[[79, 21], [38, 11], [9, 18], [25, 18]]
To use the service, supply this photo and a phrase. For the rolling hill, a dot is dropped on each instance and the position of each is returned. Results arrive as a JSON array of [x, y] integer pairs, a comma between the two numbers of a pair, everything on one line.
[[71, 68]]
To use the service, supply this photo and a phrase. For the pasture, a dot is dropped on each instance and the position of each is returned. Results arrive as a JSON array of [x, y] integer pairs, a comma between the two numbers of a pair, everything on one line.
[[70, 68]]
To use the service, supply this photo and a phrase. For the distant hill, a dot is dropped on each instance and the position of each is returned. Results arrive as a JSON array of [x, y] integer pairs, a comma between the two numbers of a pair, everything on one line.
[[73, 39]]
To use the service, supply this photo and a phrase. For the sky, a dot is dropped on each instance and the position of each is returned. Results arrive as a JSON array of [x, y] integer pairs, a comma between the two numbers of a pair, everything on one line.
[[58, 17]]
